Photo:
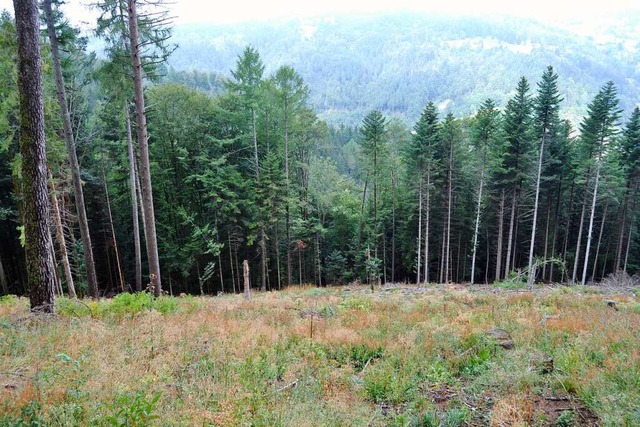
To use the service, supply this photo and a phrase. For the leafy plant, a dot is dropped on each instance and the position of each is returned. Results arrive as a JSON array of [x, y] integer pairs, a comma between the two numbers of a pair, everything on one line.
[[133, 410]]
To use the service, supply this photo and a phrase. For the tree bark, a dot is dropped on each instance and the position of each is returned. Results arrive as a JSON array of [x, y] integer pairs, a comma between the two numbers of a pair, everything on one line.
[[134, 201], [531, 277], [61, 242], [143, 143], [39, 263], [71, 151]]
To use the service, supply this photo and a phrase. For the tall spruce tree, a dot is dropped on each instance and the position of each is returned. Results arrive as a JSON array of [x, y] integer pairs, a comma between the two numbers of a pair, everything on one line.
[[374, 151], [546, 123], [517, 131], [597, 130], [420, 158]]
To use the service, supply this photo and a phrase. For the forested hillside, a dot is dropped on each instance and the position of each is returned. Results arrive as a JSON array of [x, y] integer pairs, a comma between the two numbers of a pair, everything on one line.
[[394, 63], [515, 156]]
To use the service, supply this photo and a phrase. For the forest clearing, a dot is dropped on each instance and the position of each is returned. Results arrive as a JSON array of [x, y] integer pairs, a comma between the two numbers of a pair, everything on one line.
[[342, 356]]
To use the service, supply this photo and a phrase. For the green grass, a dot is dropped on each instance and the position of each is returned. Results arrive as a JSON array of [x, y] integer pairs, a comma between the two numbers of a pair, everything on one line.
[[377, 360]]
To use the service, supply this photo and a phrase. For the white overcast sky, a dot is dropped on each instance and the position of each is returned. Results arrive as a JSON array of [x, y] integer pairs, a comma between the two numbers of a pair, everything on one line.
[[230, 11]]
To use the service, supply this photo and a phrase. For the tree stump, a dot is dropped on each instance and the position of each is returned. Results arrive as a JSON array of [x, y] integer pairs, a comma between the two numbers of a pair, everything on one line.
[[245, 268]]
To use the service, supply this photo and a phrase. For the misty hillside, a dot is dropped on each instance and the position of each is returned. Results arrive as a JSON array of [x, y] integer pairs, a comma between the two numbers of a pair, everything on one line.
[[397, 63]]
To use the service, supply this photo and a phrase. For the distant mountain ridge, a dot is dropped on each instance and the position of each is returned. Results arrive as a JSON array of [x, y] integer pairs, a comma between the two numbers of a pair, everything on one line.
[[397, 63]]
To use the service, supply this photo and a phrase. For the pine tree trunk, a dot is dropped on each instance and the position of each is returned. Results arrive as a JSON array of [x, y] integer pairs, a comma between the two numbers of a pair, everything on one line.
[[134, 202], [61, 241], [39, 263], [318, 262], [449, 204], [393, 227], [277, 246], [623, 227], [531, 277], [419, 230], [500, 236], [595, 260], [71, 151], [442, 254], [263, 259], [507, 268], [233, 275], [426, 228], [546, 239], [578, 244], [143, 143], [475, 234], [590, 233]]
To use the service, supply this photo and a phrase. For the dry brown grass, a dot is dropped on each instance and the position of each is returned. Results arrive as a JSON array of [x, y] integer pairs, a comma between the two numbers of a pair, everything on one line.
[[226, 361]]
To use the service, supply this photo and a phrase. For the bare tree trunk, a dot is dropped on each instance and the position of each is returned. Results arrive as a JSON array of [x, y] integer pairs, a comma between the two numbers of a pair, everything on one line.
[[590, 233], [143, 143], [61, 243], [318, 262], [71, 151], [546, 239], [134, 201], [449, 204], [220, 272], [623, 227], [576, 260], [287, 195], [263, 259], [442, 254], [595, 260], [40, 269], [475, 235], [426, 228], [500, 237], [247, 291], [140, 204], [419, 230], [531, 277], [393, 226], [233, 276], [507, 268]]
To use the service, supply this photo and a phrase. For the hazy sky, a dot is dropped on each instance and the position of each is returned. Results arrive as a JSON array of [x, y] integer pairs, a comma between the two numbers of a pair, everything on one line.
[[230, 11]]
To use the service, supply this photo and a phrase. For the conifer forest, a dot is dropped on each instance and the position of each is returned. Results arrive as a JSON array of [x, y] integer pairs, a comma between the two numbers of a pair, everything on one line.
[[155, 180]]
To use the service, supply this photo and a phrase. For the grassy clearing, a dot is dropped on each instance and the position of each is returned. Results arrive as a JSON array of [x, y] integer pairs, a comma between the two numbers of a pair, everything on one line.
[[324, 357]]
